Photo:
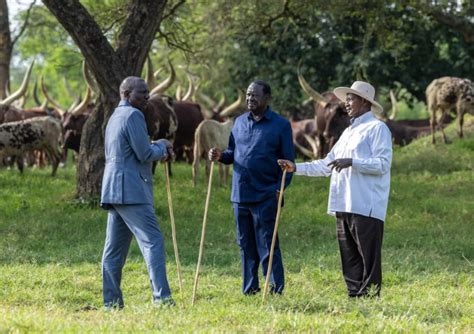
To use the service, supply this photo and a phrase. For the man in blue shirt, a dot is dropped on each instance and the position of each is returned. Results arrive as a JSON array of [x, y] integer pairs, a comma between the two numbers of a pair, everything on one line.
[[258, 139], [127, 194]]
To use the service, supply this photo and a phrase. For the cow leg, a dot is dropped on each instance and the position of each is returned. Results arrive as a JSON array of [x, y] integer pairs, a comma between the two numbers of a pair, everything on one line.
[[432, 123], [188, 152], [208, 168], [64, 157], [195, 169], [460, 116], [221, 174], [19, 162], [440, 125], [54, 157]]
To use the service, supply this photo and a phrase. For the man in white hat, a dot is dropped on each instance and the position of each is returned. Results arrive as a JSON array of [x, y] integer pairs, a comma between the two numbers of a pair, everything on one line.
[[359, 166]]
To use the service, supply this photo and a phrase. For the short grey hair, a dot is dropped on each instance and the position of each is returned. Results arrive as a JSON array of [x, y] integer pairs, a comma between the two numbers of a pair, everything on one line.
[[129, 83]]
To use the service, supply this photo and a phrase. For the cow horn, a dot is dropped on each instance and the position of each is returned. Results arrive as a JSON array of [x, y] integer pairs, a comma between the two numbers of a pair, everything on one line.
[[393, 99], [150, 78], [20, 103], [189, 94], [206, 113], [21, 91], [312, 142], [179, 93], [43, 105], [157, 72], [7, 89], [35, 93], [194, 97], [304, 150], [81, 108], [91, 83], [222, 102], [230, 110], [75, 103], [160, 89], [207, 100], [310, 91], [56, 105]]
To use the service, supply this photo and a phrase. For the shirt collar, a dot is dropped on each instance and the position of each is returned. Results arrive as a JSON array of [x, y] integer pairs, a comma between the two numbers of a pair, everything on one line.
[[267, 114], [362, 119], [124, 103]]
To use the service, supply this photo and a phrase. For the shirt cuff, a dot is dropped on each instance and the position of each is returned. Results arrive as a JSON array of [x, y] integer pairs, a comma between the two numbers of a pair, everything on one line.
[[300, 169], [163, 150], [356, 163]]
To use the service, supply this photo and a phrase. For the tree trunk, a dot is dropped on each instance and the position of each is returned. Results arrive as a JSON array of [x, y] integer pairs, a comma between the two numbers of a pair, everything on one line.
[[5, 48], [109, 67]]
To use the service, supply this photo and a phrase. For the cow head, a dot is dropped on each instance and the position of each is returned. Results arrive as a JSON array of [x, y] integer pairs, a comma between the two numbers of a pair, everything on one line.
[[335, 115], [466, 101], [160, 117]]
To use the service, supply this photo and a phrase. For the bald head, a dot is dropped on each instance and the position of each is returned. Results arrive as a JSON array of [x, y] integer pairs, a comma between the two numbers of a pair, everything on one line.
[[135, 91]]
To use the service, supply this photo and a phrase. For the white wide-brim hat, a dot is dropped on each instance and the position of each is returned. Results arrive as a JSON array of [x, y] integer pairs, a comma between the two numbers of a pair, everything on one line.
[[362, 89]]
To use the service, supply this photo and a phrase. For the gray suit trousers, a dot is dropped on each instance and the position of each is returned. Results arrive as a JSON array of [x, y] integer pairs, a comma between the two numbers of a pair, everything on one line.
[[125, 221]]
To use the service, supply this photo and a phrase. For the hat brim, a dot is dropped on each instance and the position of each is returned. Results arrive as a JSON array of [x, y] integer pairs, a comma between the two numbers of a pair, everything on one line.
[[341, 93]]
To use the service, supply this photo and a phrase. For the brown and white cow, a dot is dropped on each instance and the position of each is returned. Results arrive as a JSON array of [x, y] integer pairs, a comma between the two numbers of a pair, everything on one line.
[[447, 93]]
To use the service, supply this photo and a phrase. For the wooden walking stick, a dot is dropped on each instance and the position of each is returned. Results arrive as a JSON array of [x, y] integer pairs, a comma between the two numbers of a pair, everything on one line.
[[275, 233], [173, 226], [203, 234]]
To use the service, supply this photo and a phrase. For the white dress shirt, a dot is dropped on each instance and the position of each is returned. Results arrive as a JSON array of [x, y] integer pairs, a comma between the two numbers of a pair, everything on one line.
[[364, 187]]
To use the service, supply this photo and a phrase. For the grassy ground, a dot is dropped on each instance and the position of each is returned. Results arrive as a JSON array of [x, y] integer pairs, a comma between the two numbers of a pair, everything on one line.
[[50, 250]]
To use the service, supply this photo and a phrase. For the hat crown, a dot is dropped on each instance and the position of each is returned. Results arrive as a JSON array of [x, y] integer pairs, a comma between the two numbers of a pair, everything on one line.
[[365, 89]]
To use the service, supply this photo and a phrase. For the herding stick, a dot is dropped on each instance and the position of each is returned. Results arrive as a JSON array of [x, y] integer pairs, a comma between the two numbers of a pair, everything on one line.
[[275, 233], [203, 234], [173, 226]]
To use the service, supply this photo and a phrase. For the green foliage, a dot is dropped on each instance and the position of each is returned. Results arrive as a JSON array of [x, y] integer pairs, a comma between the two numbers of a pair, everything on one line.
[[50, 251]]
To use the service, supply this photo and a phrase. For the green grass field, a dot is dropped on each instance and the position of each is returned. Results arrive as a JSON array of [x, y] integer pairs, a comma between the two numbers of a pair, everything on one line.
[[50, 252]]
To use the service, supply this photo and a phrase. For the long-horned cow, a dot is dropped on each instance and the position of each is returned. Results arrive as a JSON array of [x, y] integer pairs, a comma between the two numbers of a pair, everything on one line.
[[211, 133], [73, 118], [446, 93], [39, 133]]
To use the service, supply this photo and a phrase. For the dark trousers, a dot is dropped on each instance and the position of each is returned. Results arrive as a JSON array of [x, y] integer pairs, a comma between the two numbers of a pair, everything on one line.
[[255, 223], [360, 244]]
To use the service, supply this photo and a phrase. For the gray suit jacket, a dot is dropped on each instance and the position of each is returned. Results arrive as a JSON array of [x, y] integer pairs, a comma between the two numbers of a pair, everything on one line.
[[128, 158]]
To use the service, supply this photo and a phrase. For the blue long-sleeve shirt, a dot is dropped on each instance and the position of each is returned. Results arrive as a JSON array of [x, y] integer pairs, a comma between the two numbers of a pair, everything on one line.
[[254, 148]]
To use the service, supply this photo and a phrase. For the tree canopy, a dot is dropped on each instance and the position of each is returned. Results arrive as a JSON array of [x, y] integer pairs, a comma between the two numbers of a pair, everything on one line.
[[226, 44]]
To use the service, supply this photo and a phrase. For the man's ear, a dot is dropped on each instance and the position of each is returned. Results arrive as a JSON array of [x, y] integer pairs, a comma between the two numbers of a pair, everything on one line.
[[126, 94], [268, 98]]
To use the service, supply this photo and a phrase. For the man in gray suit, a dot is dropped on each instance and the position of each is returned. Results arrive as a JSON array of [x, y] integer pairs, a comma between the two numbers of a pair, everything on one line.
[[127, 194]]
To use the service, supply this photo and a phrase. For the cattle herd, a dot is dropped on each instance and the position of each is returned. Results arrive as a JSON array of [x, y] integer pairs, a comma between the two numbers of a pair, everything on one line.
[[29, 135]]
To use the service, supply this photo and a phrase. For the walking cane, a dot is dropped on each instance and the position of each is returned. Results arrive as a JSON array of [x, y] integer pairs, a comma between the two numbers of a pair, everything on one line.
[[203, 234], [275, 233], [173, 226]]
